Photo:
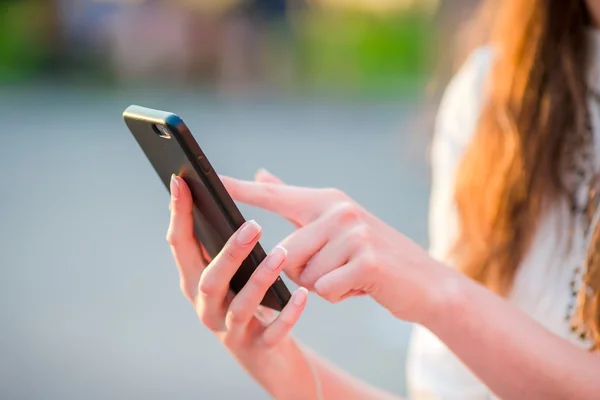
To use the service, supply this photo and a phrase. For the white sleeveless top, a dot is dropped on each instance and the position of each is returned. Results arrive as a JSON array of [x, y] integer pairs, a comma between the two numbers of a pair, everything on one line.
[[542, 286]]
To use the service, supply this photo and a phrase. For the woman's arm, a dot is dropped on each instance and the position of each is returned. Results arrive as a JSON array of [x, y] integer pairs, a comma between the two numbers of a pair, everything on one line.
[[341, 250], [515, 356], [296, 372], [259, 342], [432, 370]]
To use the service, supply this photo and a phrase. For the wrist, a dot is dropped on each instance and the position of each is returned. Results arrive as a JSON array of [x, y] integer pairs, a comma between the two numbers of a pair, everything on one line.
[[283, 371], [446, 297]]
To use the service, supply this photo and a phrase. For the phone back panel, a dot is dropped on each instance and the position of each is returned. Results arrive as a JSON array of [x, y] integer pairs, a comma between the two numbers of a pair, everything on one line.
[[216, 217]]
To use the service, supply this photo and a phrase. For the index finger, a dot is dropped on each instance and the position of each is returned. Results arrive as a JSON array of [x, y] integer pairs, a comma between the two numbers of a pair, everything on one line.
[[298, 204]]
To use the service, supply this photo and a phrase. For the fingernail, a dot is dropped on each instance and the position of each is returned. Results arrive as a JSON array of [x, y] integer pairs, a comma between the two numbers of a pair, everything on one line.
[[248, 232], [174, 187], [263, 171], [299, 298], [276, 258]]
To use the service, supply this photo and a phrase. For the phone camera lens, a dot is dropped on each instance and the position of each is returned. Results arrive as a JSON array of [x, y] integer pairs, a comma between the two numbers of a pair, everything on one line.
[[162, 131]]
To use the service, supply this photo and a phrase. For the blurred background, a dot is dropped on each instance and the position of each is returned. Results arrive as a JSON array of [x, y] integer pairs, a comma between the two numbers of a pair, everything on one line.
[[320, 92]]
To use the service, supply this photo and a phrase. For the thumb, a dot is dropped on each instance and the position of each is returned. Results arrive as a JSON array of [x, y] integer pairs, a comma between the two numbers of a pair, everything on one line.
[[264, 176]]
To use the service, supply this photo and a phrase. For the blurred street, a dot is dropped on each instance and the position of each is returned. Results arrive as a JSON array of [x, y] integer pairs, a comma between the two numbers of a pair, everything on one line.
[[89, 302], [323, 93]]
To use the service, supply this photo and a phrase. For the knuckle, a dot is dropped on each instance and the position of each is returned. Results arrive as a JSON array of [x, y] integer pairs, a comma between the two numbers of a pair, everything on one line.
[[176, 238], [323, 292], [230, 340], [207, 285], [363, 232], [235, 316], [335, 194], [261, 280], [270, 191], [368, 262], [268, 342], [205, 319], [360, 236], [294, 272], [285, 324], [306, 280], [172, 237], [208, 321], [346, 213], [308, 277], [329, 297], [229, 252]]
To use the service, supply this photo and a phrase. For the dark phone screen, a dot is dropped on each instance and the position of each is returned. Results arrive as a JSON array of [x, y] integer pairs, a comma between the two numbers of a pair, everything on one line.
[[211, 223], [167, 157], [212, 227], [216, 218]]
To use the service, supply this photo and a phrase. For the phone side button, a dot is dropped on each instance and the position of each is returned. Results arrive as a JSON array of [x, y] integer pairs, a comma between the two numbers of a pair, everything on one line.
[[204, 164]]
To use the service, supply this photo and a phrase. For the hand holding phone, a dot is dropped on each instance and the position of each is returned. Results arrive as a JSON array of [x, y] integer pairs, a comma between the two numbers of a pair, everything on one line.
[[239, 321], [172, 150], [233, 286]]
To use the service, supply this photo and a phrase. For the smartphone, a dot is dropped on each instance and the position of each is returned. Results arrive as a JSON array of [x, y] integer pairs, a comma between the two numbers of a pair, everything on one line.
[[171, 149]]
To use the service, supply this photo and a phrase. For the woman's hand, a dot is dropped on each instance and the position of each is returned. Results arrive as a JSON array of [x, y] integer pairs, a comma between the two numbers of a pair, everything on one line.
[[239, 322], [261, 342], [341, 250]]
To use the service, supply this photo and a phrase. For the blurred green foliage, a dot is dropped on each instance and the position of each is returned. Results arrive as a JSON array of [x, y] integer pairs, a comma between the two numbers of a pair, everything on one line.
[[339, 50], [23, 50], [362, 52]]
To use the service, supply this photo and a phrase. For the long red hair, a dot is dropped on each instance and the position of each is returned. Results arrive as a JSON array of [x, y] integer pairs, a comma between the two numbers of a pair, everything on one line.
[[513, 168]]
